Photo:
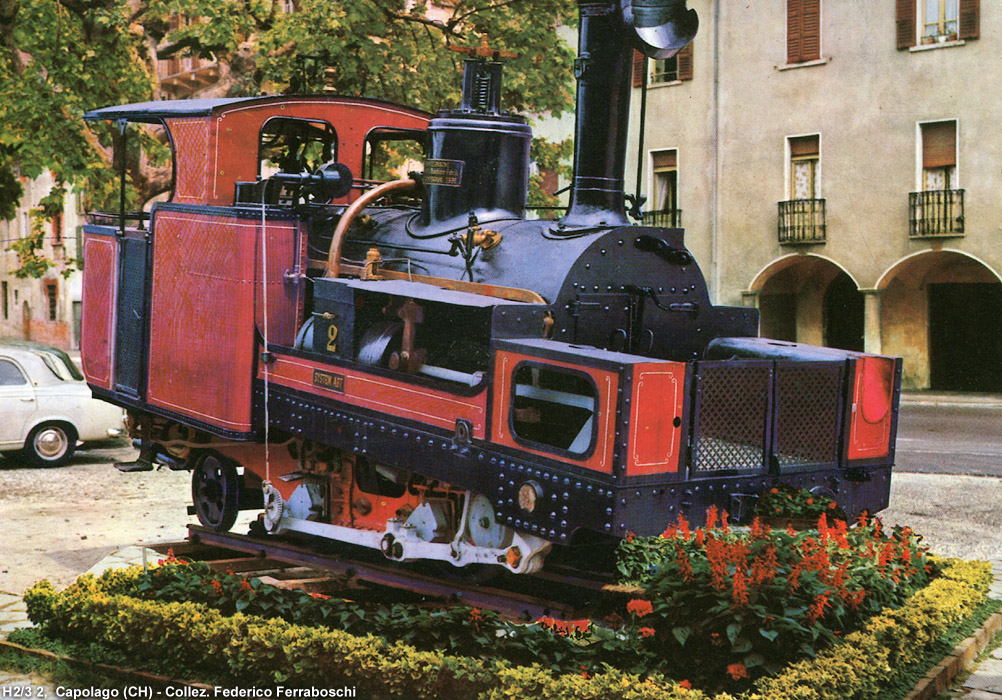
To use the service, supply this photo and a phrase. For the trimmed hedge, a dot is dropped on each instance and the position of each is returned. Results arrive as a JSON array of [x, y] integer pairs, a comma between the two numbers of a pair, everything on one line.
[[194, 639]]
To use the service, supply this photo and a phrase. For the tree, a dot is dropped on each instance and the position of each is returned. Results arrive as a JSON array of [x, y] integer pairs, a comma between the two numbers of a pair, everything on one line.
[[60, 58]]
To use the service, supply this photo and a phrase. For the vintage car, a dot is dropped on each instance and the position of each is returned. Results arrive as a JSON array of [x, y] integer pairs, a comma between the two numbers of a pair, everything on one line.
[[46, 407]]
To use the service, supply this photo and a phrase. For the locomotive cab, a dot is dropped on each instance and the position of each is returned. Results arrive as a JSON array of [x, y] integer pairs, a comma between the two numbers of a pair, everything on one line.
[[412, 365]]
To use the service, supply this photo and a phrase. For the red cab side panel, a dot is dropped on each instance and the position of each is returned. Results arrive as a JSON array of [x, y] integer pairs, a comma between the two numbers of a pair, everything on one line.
[[402, 399], [191, 138], [656, 418], [97, 329], [234, 155], [202, 328], [600, 459]]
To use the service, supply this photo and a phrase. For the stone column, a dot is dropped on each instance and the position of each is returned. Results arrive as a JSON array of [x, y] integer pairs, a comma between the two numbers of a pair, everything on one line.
[[871, 320]]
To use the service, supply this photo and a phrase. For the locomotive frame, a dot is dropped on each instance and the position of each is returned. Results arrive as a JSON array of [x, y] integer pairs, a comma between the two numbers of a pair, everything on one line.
[[578, 386]]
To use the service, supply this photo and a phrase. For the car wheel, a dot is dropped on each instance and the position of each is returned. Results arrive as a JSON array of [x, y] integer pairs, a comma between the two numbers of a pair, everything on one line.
[[50, 445]]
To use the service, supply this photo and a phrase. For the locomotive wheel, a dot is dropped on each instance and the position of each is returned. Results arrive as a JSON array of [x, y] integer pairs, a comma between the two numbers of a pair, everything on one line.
[[215, 490]]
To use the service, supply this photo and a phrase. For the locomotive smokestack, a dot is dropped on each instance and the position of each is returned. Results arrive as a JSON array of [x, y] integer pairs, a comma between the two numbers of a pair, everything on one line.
[[607, 32]]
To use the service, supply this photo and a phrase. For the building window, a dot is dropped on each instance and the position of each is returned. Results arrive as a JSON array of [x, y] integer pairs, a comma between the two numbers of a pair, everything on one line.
[[940, 17], [664, 209], [57, 228], [5, 301], [802, 216], [52, 296], [927, 21], [938, 208], [805, 167], [803, 30], [669, 70], [939, 155]]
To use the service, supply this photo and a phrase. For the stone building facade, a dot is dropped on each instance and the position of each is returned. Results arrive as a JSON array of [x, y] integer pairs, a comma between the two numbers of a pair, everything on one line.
[[46, 310], [836, 164]]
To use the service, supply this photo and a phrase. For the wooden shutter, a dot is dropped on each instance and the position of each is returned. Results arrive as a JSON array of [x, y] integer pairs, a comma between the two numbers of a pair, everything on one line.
[[639, 64], [803, 30], [939, 144], [905, 23], [970, 19], [794, 24], [810, 49], [804, 146], [685, 63], [664, 160]]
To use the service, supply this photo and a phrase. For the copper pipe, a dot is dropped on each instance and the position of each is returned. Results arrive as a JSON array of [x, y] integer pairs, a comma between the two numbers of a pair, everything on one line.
[[356, 207]]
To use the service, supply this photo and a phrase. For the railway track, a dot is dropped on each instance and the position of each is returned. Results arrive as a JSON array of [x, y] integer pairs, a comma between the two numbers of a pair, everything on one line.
[[559, 592]]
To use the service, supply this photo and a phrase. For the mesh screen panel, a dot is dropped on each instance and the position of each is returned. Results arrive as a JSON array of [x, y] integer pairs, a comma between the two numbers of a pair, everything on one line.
[[733, 410], [808, 414]]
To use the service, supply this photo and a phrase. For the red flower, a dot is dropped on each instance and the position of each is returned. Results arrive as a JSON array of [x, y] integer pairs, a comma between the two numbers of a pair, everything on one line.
[[833, 505], [629, 537], [584, 673], [817, 609], [245, 585], [639, 607], [685, 684], [700, 537], [774, 490], [646, 631], [739, 592], [810, 501], [723, 523], [319, 596], [711, 517], [737, 671], [683, 527], [779, 510]]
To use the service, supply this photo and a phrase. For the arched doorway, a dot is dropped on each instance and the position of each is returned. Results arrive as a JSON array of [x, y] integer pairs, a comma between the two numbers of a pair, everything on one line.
[[941, 312], [810, 299], [843, 314]]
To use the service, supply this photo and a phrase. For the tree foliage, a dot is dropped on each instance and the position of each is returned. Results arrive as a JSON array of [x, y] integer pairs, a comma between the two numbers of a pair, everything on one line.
[[60, 58]]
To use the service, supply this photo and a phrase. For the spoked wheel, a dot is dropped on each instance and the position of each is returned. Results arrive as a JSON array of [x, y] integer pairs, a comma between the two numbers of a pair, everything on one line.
[[215, 490]]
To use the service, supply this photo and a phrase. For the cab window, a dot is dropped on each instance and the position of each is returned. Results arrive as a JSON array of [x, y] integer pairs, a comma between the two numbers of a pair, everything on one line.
[[554, 408], [392, 153], [290, 145]]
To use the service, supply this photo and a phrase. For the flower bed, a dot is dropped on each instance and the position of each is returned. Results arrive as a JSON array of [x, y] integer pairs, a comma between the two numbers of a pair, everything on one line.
[[298, 639]]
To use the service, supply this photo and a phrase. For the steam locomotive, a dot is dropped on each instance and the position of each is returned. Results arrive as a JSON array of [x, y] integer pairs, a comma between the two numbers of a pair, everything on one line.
[[414, 366]]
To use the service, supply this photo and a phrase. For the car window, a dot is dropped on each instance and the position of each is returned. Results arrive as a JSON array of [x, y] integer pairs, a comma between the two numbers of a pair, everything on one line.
[[10, 375], [60, 364]]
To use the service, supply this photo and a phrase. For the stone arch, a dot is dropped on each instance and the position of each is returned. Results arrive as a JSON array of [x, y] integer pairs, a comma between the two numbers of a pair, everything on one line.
[[940, 311], [794, 302]]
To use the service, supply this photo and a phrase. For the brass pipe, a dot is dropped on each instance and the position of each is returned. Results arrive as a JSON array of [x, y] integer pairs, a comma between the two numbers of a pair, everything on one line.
[[341, 232]]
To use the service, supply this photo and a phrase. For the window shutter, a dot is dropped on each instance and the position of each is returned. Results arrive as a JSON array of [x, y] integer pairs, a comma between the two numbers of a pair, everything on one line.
[[970, 19], [804, 146], [685, 63], [638, 68], [794, 30], [939, 144], [810, 37], [905, 24], [664, 160]]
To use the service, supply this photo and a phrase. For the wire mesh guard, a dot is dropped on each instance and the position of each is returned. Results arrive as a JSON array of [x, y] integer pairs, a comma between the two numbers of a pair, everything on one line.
[[808, 414], [738, 430], [732, 409]]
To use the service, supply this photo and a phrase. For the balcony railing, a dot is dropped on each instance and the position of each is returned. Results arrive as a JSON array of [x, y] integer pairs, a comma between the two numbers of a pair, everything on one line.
[[802, 221], [668, 218], [936, 213]]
